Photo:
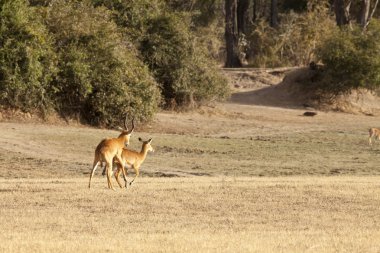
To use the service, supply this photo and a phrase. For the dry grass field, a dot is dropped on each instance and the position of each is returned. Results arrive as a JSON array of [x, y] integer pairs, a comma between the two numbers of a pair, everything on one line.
[[231, 178], [197, 214]]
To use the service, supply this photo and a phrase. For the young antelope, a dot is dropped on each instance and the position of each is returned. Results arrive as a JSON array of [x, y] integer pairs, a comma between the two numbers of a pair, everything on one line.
[[373, 133]]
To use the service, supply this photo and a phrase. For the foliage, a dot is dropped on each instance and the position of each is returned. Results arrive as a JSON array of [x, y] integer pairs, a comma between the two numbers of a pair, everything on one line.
[[99, 75], [97, 59], [295, 5], [203, 12], [207, 23], [178, 61], [132, 16], [179, 64], [261, 48], [294, 41], [27, 61], [351, 59]]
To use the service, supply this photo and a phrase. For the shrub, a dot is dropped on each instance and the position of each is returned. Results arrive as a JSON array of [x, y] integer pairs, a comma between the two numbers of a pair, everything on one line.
[[178, 61], [132, 16], [98, 59], [351, 59], [27, 61], [180, 64], [100, 75], [261, 49], [294, 41]]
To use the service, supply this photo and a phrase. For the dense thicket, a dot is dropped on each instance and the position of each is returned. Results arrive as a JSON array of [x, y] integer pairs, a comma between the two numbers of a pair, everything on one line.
[[342, 36], [170, 48], [351, 59], [27, 59], [100, 75], [293, 42], [97, 60]]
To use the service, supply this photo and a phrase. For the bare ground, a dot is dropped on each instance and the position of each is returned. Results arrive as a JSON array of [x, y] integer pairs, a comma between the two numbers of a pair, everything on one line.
[[233, 177]]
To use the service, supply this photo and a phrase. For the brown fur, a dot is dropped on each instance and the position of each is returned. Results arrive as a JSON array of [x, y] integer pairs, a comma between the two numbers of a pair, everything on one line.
[[134, 159], [107, 150], [373, 132]]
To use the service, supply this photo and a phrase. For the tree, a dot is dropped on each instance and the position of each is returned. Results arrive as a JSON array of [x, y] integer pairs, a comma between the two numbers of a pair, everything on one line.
[[351, 59], [101, 75], [179, 63], [365, 14], [241, 15], [273, 14], [360, 9], [254, 11], [231, 34], [342, 11], [27, 59]]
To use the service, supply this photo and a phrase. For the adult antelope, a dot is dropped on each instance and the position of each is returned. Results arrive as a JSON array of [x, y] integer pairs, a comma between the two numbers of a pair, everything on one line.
[[108, 149], [133, 159], [373, 132]]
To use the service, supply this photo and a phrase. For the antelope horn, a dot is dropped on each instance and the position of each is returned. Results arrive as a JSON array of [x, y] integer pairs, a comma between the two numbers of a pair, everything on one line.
[[125, 122], [133, 126]]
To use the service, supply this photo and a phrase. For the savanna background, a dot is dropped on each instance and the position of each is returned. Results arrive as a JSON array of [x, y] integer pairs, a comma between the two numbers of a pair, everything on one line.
[[222, 88]]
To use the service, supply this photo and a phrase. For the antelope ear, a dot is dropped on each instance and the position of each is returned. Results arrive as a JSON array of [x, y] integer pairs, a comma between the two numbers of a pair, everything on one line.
[[150, 140], [140, 139], [120, 128]]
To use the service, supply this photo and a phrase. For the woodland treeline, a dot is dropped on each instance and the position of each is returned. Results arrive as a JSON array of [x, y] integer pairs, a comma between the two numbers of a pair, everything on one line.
[[98, 59]]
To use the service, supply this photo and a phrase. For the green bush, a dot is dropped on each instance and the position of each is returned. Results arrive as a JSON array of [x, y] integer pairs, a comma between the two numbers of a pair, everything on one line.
[[99, 59], [100, 75], [180, 64], [351, 59], [178, 60], [27, 61], [132, 16]]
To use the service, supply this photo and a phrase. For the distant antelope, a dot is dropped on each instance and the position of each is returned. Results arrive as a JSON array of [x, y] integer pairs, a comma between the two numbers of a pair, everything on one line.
[[373, 132], [108, 149], [133, 159]]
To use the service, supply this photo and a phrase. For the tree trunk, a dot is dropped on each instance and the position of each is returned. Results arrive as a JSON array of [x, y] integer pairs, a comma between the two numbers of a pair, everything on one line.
[[273, 14], [342, 11], [231, 34], [365, 15], [364, 12], [254, 11], [242, 11]]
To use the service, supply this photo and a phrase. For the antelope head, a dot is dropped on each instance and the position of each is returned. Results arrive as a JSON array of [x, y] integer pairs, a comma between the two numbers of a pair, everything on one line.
[[147, 145]]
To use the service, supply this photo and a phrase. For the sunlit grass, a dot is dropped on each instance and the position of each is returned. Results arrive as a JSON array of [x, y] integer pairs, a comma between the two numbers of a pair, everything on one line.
[[217, 214]]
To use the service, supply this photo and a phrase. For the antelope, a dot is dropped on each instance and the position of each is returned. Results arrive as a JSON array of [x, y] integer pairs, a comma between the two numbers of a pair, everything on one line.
[[108, 149], [133, 159], [373, 132]]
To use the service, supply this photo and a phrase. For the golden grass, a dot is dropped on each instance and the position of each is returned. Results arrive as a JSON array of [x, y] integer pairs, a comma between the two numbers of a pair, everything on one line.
[[199, 214], [267, 189]]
